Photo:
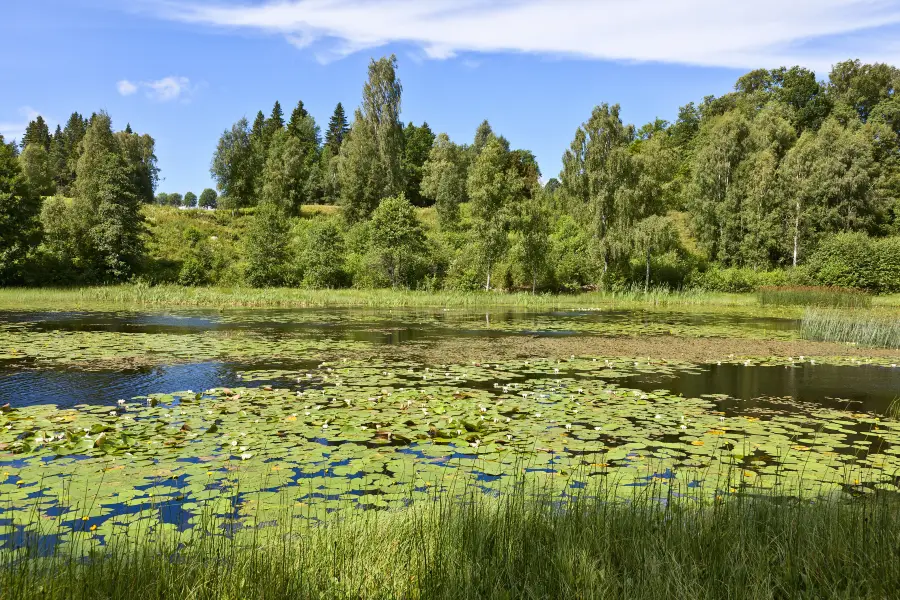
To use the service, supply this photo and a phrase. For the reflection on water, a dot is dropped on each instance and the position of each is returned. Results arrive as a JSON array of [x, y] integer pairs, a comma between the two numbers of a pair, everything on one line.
[[864, 387]]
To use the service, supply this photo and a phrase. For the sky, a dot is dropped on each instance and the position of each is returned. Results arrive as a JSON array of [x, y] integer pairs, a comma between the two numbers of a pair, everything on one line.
[[185, 70]]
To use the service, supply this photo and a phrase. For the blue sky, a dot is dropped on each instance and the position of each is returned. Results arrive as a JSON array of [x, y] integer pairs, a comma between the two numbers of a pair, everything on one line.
[[183, 71]]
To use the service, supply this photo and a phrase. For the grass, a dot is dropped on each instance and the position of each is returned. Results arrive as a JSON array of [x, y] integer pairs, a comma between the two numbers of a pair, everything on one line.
[[865, 328], [657, 545], [224, 297], [814, 296]]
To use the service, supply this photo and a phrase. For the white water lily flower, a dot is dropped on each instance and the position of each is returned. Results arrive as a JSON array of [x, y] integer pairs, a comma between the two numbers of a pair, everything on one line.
[[657, 417], [325, 426], [568, 426], [508, 419], [121, 403], [597, 428], [538, 415], [509, 437], [243, 448], [684, 426], [234, 442], [246, 455]]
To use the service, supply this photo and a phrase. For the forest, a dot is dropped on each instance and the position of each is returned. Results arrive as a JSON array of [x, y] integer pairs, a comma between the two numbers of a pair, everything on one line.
[[788, 179]]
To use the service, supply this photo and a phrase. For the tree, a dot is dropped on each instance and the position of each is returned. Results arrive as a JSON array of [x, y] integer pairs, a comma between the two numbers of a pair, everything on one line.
[[322, 257], [37, 133], [107, 207], [233, 165], [275, 122], [654, 234], [175, 199], [493, 187], [597, 169], [397, 237], [208, 198], [67, 152], [37, 169], [482, 134], [286, 173], [162, 199], [298, 115], [337, 129], [370, 166], [190, 200], [19, 209], [444, 180], [416, 147], [266, 246], [531, 230], [139, 154]]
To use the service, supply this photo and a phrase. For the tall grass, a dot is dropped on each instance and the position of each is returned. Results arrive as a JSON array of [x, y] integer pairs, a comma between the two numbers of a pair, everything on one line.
[[863, 328], [657, 545], [223, 297], [813, 296]]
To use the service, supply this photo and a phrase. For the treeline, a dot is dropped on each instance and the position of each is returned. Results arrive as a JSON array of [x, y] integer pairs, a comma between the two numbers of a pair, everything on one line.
[[759, 186], [70, 202]]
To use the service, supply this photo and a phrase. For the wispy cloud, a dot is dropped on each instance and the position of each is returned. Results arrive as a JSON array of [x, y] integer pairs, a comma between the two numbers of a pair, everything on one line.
[[13, 130], [736, 33], [161, 90], [126, 88]]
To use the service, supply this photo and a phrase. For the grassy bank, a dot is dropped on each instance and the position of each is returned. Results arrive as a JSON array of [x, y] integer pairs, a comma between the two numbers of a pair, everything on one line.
[[814, 296], [738, 548], [864, 328], [237, 297]]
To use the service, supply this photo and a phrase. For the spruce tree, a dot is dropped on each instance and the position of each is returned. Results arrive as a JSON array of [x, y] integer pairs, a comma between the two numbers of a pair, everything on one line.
[[337, 129], [297, 117], [37, 133]]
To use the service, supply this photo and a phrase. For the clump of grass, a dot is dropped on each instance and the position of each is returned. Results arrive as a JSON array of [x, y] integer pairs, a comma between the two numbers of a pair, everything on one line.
[[863, 328], [833, 297], [657, 545]]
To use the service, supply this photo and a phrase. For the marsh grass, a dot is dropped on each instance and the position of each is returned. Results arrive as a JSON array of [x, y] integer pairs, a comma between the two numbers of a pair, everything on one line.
[[659, 543], [862, 328], [124, 296], [814, 296]]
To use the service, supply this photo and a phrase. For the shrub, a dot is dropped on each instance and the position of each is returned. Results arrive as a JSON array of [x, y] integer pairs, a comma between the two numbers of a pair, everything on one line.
[[855, 260]]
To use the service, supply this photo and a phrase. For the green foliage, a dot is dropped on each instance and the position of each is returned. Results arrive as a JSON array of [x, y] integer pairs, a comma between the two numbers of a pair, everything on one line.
[[233, 166], [857, 261], [208, 198], [38, 170], [198, 267], [19, 208], [370, 167], [397, 240], [190, 200], [444, 180], [266, 248], [417, 143], [337, 129], [322, 256]]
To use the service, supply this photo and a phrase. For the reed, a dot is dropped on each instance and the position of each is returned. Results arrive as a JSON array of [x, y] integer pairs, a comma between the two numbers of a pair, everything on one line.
[[866, 328], [813, 296]]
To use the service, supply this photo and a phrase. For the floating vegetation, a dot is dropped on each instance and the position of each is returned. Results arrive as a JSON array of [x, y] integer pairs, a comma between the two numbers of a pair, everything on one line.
[[380, 435], [865, 329], [832, 297]]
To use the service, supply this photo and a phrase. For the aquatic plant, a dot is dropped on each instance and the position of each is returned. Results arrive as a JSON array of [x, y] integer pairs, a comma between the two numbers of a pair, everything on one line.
[[834, 297], [863, 328]]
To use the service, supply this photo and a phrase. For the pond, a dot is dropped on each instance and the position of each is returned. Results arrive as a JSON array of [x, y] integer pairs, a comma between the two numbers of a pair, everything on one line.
[[120, 418]]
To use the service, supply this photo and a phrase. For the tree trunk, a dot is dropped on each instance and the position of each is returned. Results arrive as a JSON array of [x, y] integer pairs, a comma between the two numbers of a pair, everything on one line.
[[487, 286], [796, 232], [647, 278], [533, 283]]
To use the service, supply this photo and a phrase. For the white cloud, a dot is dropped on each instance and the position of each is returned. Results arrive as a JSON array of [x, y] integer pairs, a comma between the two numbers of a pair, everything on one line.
[[14, 130], [161, 90], [735, 33], [126, 88]]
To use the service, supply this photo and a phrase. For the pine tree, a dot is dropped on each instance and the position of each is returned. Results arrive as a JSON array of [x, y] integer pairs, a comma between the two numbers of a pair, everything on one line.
[[337, 129], [482, 135], [416, 147]]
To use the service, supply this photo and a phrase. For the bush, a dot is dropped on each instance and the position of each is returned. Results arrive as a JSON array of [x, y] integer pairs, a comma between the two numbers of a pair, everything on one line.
[[855, 260]]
